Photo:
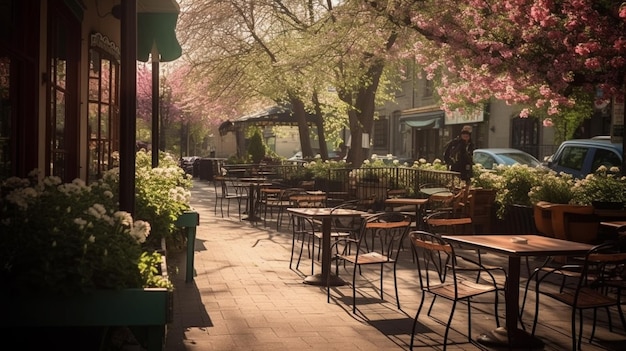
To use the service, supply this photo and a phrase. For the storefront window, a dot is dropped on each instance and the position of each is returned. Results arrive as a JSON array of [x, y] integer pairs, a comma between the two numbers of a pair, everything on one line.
[[19, 83], [62, 117], [103, 123]]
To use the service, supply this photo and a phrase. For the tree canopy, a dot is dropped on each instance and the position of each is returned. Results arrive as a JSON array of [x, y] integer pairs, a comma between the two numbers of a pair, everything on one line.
[[535, 53]]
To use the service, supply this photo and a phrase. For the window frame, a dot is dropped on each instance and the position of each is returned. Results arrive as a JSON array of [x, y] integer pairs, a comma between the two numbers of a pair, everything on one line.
[[103, 126]]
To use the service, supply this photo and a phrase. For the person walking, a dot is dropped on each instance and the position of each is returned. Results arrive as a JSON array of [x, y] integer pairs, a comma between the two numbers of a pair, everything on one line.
[[458, 154]]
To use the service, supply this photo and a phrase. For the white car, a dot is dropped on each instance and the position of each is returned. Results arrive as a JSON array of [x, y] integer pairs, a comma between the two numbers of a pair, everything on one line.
[[296, 157], [490, 158]]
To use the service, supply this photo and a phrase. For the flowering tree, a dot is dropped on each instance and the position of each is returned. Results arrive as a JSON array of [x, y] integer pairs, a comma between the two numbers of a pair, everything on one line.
[[182, 100], [294, 51], [531, 52]]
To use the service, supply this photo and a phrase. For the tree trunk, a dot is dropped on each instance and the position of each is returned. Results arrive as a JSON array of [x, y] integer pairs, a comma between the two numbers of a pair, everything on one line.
[[303, 128], [319, 122]]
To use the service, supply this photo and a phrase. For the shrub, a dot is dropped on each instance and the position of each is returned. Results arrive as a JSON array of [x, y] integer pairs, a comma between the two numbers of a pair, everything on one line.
[[256, 148]]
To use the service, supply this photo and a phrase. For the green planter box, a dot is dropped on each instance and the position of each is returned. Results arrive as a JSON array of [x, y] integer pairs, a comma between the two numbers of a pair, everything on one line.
[[147, 310], [189, 220]]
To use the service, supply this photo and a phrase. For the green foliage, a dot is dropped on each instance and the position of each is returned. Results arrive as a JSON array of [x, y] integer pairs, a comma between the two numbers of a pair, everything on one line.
[[554, 188], [66, 238], [320, 169], [604, 185], [436, 165], [570, 118], [236, 160], [151, 275], [483, 178], [162, 194], [256, 147], [512, 184], [70, 238]]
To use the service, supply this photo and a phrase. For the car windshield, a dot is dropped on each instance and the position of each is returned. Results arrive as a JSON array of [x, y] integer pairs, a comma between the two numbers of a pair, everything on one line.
[[524, 159]]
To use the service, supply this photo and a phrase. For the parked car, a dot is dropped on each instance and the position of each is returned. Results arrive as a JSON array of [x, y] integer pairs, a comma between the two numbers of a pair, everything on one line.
[[296, 157], [580, 157], [489, 158], [332, 155]]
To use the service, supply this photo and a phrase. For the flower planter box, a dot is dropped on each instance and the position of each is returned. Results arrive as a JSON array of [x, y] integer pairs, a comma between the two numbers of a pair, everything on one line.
[[543, 218], [568, 222], [189, 220], [145, 310], [481, 204], [517, 219]]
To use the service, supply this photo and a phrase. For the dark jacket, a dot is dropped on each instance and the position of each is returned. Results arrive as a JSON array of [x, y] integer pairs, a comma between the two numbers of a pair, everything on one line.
[[459, 156]]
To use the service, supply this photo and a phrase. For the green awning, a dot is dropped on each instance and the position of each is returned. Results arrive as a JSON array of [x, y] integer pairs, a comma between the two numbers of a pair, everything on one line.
[[424, 120], [158, 29], [422, 124]]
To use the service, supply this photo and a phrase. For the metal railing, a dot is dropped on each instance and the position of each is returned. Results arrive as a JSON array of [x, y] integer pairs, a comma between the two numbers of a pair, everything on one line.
[[359, 183]]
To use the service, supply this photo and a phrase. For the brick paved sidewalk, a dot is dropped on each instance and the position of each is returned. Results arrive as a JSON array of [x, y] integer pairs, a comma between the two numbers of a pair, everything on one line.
[[245, 297]]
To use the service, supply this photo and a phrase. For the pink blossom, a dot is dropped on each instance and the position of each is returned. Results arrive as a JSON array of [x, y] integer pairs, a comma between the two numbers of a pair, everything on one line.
[[547, 122], [524, 113], [622, 11]]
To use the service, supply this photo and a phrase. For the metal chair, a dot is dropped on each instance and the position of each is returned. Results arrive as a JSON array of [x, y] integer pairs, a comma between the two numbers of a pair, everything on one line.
[[379, 243], [279, 203], [232, 190], [437, 267], [598, 285]]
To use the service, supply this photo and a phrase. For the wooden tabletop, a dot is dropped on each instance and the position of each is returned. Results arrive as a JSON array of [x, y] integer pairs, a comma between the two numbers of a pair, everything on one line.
[[439, 191], [613, 224], [522, 245], [253, 179], [326, 212], [405, 201]]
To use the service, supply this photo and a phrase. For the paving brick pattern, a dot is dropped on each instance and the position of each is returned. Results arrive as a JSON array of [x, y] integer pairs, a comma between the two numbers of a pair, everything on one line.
[[245, 297]]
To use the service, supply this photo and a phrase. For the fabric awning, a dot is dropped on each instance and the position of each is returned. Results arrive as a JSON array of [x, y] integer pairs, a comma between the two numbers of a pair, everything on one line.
[[424, 120], [276, 115], [156, 26]]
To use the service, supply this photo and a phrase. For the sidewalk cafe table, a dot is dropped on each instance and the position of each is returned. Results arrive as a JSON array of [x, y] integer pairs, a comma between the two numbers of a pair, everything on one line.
[[516, 246], [255, 184], [325, 214], [410, 201], [613, 224], [441, 191]]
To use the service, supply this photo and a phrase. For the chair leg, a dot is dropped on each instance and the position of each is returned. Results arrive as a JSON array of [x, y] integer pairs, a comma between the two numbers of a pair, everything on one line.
[[354, 288], [293, 245], [574, 340], [593, 326], [395, 285], [381, 282], [619, 309], [419, 309], [445, 335], [521, 310]]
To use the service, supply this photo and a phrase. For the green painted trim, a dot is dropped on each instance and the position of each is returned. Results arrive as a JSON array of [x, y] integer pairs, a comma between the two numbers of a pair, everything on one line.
[[127, 307]]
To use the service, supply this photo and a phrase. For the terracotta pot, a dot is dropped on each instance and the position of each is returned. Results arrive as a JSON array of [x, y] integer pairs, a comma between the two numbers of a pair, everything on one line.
[[607, 205], [574, 223], [543, 218]]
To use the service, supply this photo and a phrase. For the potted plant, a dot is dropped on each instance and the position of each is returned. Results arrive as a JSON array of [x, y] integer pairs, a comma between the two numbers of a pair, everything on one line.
[[327, 174], [553, 190], [562, 205], [67, 247], [604, 189]]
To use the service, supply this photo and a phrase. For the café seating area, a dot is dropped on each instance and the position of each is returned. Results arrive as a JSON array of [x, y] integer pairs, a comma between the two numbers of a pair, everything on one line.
[[312, 216], [263, 250]]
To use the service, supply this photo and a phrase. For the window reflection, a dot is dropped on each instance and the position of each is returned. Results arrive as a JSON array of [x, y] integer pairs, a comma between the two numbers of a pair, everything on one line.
[[103, 119]]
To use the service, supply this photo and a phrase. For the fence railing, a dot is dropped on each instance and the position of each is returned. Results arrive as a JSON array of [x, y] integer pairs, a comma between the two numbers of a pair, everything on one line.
[[368, 183], [357, 183]]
